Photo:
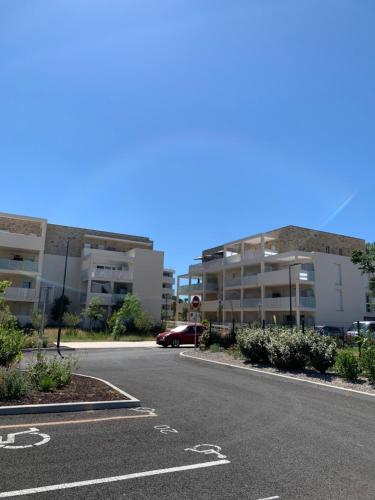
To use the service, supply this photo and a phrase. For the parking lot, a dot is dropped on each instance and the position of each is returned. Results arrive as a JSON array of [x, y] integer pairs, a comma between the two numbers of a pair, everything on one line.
[[203, 431]]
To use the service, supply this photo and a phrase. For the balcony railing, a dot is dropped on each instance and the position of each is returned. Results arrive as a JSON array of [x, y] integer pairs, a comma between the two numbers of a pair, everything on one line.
[[18, 265], [105, 299], [13, 293], [232, 304], [233, 282], [198, 287], [251, 303], [212, 287], [112, 274], [307, 302], [278, 302]]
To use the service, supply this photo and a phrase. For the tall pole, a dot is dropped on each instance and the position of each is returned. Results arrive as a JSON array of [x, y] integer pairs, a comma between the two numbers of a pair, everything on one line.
[[62, 300], [290, 297]]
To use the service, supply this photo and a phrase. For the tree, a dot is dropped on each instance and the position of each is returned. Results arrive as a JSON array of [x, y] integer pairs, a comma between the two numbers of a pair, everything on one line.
[[37, 320], [126, 317], [366, 263], [55, 309], [6, 317], [94, 311], [144, 323]]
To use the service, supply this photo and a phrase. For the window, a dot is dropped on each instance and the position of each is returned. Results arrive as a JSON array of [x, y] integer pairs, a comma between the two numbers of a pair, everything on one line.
[[340, 251], [26, 284], [339, 302], [328, 249]]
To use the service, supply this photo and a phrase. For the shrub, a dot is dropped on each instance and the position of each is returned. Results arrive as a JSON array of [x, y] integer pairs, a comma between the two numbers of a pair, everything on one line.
[[347, 365], [58, 370], [253, 344], [158, 327], [47, 384], [288, 350], [143, 323], [14, 384], [215, 348], [29, 342], [71, 320], [367, 363], [322, 352], [223, 340], [11, 342]]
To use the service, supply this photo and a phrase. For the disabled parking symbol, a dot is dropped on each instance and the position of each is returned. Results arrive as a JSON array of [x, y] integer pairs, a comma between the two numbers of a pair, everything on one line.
[[10, 442]]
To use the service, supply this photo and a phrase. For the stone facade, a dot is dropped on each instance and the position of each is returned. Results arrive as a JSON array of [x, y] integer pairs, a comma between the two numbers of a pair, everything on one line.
[[309, 240], [57, 236], [20, 226]]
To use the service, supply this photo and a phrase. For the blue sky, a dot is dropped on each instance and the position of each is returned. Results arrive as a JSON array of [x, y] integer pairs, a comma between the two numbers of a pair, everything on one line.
[[191, 122]]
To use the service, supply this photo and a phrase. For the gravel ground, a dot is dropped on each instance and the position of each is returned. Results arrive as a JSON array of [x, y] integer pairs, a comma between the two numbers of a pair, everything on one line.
[[328, 378]]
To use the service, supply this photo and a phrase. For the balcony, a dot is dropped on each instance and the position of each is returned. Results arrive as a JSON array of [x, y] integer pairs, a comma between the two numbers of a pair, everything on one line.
[[253, 303], [185, 289], [18, 265], [278, 303], [111, 275], [232, 304], [210, 306], [23, 294], [212, 287], [233, 282], [281, 277], [21, 241], [308, 302]]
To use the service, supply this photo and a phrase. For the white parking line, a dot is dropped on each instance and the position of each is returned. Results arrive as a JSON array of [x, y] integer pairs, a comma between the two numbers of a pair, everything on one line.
[[78, 484], [269, 498]]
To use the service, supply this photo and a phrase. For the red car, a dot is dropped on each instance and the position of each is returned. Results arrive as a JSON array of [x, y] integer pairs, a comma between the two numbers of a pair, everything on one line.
[[184, 334]]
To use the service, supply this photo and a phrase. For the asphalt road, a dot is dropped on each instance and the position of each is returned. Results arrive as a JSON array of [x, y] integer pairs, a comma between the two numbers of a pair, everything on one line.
[[280, 439]]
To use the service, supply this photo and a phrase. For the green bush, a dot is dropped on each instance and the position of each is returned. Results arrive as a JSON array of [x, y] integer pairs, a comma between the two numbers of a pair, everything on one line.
[[223, 340], [58, 370], [288, 350], [215, 348], [11, 343], [322, 351], [29, 342], [144, 323], [14, 384], [347, 365], [367, 363], [47, 384], [253, 344]]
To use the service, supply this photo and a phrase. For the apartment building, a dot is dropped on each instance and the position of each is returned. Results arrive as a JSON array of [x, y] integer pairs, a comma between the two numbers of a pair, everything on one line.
[[168, 301], [249, 280], [100, 264]]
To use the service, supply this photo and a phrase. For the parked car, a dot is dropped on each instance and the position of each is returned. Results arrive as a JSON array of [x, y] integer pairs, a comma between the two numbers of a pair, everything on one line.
[[331, 331], [365, 327], [183, 334]]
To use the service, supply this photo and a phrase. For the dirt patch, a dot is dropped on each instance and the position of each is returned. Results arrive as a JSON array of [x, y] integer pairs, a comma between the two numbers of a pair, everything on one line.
[[80, 389], [326, 378]]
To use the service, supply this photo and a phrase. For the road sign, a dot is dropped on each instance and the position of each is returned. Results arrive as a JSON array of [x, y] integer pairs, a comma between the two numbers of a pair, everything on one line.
[[195, 302]]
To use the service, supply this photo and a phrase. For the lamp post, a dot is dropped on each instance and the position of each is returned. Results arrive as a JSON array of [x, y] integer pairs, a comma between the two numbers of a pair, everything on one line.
[[62, 300], [290, 292]]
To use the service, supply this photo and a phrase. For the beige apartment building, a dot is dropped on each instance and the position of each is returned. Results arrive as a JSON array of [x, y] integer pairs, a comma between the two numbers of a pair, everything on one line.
[[249, 280], [100, 264], [168, 312]]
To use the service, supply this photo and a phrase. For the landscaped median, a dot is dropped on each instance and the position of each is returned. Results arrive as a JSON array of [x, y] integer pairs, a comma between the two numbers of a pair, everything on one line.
[[294, 355]]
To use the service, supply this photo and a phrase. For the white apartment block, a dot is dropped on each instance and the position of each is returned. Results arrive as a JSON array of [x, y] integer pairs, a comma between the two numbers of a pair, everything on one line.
[[249, 280], [168, 294], [100, 264]]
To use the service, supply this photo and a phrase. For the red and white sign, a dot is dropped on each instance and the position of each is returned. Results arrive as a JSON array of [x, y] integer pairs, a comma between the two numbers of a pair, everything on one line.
[[195, 302]]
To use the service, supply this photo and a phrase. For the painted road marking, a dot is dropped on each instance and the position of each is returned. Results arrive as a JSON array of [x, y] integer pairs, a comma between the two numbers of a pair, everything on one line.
[[11, 439], [207, 449], [165, 429], [70, 422], [143, 409], [78, 484], [269, 498]]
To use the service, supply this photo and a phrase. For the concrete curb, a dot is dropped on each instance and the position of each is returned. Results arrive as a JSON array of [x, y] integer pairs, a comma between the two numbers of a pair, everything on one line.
[[344, 391], [131, 402]]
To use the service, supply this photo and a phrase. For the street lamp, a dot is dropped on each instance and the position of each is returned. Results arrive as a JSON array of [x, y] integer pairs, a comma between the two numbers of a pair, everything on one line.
[[290, 292], [62, 301]]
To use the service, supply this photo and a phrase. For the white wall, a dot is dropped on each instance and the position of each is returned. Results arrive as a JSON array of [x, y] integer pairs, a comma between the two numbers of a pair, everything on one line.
[[148, 277], [353, 291]]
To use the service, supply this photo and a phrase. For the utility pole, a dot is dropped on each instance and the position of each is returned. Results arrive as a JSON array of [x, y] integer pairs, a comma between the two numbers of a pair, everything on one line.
[[62, 300]]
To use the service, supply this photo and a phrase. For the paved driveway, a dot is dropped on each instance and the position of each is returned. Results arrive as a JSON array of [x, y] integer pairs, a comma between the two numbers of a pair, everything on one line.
[[281, 439]]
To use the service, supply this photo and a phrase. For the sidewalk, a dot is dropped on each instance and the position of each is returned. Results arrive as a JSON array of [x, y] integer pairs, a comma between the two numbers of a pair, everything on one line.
[[108, 345]]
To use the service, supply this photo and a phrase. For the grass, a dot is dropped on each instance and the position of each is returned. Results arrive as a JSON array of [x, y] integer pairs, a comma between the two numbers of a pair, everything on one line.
[[87, 336]]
